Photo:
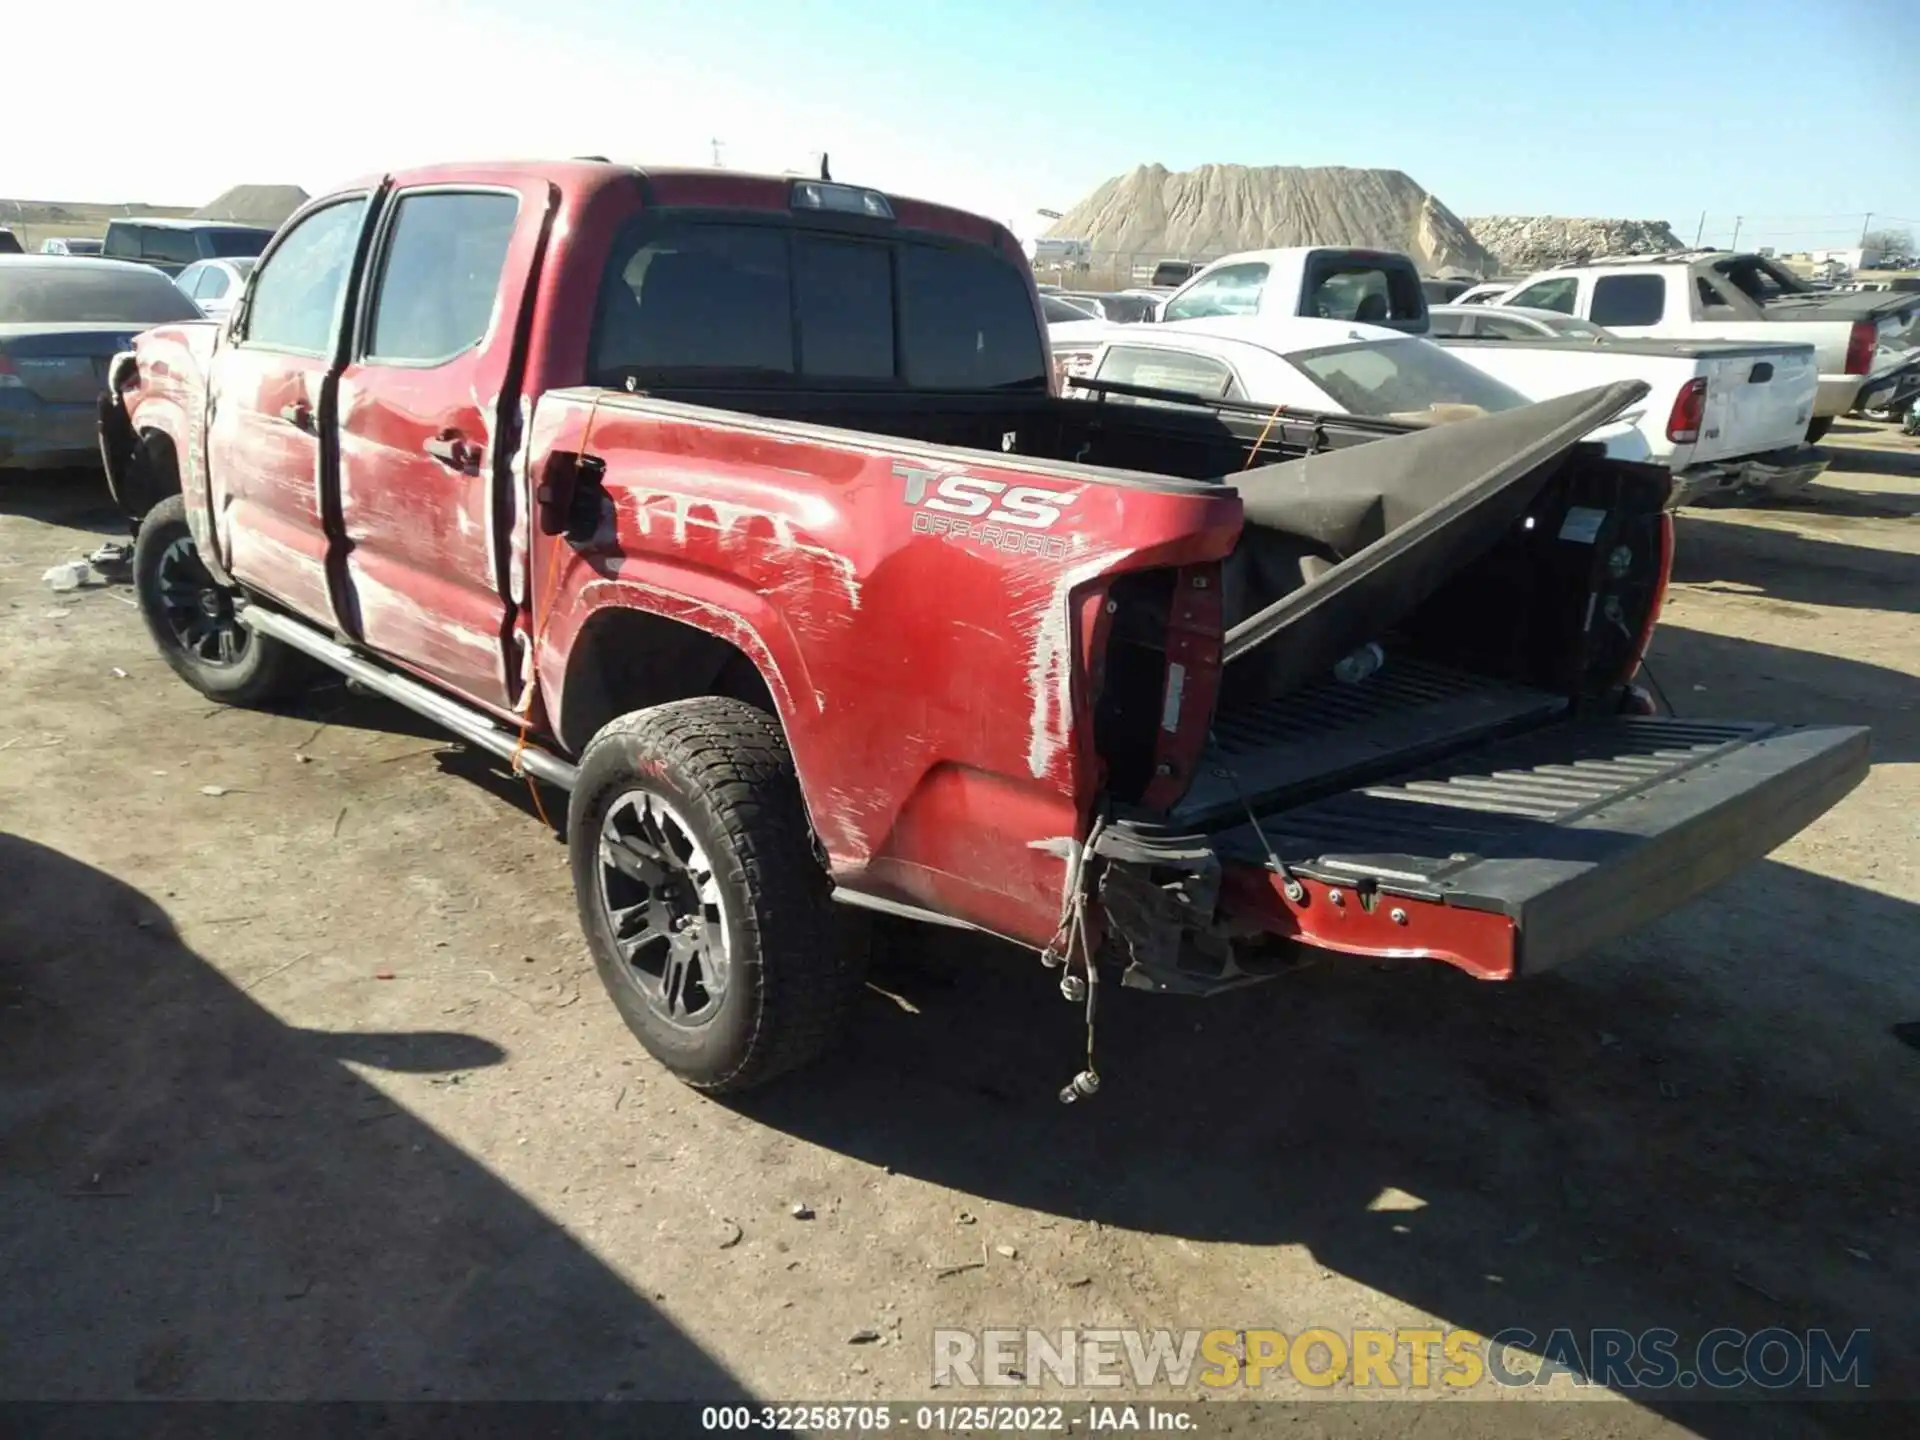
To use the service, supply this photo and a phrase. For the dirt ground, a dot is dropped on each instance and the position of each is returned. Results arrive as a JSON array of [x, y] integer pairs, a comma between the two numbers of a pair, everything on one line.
[[307, 1088]]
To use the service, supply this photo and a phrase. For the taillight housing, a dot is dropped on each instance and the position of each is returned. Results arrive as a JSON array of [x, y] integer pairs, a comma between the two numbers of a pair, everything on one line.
[[1862, 340], [1154, 672], [9, 377], [1689, 410]]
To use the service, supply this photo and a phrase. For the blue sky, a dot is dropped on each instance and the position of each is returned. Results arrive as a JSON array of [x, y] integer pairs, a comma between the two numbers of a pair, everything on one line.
[[1801, 117]]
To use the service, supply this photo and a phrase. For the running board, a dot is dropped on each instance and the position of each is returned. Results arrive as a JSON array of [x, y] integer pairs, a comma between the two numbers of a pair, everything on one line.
[[861, 900], [475, 727]]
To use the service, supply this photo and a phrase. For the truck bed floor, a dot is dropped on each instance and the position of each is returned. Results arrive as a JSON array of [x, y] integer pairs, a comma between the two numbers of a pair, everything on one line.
[[1333, 733]]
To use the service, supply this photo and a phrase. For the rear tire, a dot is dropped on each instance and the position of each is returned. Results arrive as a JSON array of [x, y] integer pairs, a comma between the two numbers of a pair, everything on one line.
[[191, 618], [702, 898], [1817, 429]]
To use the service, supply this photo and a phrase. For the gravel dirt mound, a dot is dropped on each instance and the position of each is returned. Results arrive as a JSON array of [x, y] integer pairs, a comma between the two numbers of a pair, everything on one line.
[[1218, 209], [267, 205], [1534, 242]]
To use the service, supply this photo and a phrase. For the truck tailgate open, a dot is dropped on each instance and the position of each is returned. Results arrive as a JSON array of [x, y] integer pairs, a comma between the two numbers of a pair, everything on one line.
[[1544, 844]]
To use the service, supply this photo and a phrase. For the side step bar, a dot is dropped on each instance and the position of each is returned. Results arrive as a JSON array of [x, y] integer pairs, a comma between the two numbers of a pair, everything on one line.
[[475, 727]]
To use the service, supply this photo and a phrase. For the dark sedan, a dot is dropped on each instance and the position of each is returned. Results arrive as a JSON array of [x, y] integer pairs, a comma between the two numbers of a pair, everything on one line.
[[62, 319]]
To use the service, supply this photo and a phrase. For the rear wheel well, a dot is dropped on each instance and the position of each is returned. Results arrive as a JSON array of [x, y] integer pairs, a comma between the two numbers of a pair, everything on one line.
[[627, 660]]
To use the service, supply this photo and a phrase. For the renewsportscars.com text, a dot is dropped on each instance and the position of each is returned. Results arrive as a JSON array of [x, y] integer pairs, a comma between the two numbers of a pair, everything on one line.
[[1406, 1358]]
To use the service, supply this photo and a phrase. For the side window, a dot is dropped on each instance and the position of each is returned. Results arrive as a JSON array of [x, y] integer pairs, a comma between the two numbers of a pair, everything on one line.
[[1452, 325], [189, 279], [1557, 294], [212, 284], [1629, 300], [1159, 369], [1710, 298], [296, 292], [1232, 290], [122, 242], [439, 275]]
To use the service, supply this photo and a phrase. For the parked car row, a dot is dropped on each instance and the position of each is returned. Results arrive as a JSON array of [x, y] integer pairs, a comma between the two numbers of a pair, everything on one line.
[[1724, 418]]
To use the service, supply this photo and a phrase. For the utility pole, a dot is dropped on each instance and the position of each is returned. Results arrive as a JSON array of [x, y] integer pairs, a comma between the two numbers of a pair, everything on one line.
[[716, 152], [1865, 225], [1736, 232], [1701, 231]]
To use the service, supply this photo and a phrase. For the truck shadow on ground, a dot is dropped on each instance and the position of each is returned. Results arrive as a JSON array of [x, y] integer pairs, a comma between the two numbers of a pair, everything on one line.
[[1707, 676], [1784, 565], [1708, 1124], [197, 1200], [1581, 1151]]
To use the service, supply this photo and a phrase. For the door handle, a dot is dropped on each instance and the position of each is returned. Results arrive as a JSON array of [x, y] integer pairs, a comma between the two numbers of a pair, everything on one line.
[[454, 452], [299, 415]]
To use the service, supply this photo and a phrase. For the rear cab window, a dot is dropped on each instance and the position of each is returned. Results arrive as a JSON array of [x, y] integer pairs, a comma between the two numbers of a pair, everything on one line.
[[1156, 367], [229, 244], [60, 293], [710, 300], [1401, 379], [1365, 289], [170, 246]]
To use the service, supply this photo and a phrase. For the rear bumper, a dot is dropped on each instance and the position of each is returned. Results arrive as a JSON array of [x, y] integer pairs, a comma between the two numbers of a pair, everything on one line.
[[1836, 396], [1522, 854], [1884, 392], [36, 435], [1771, 475]]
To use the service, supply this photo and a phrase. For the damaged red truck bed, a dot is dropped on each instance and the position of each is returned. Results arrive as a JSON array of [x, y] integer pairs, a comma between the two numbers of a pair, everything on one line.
[[744, 510]]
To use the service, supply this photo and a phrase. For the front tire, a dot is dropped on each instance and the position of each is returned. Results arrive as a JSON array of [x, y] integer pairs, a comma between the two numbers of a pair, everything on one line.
[[193, 621], [706, 908]]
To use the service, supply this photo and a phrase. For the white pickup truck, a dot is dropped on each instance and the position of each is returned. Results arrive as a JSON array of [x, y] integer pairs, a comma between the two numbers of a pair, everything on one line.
[[1696, 421], [1726, 418], [1319, 282], [1867, 344]]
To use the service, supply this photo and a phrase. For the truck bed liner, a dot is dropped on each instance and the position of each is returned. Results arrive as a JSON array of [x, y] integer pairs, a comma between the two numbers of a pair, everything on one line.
[[1333, 732], [1579, 831]]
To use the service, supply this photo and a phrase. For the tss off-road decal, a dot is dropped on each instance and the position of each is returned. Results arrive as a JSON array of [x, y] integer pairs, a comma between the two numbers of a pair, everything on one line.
[[1010, 518]]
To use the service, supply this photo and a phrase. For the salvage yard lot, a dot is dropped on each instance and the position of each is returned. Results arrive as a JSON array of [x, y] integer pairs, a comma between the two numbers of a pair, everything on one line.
[[307, 1087]]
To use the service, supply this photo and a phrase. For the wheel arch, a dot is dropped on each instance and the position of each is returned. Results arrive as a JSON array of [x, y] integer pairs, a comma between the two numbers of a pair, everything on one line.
[[624, 659]]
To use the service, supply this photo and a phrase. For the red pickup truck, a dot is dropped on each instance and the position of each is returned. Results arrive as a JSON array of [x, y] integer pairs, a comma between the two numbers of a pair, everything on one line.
[[747, 511]]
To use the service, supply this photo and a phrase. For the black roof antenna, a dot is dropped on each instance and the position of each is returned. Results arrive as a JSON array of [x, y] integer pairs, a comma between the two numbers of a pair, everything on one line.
[[823, 166]]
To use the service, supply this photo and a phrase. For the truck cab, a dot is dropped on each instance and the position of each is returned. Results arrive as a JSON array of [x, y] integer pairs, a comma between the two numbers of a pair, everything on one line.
[[1371, 287]]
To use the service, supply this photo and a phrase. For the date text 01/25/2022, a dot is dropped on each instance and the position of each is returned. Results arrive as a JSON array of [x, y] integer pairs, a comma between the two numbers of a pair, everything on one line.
[[947, 1419]]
